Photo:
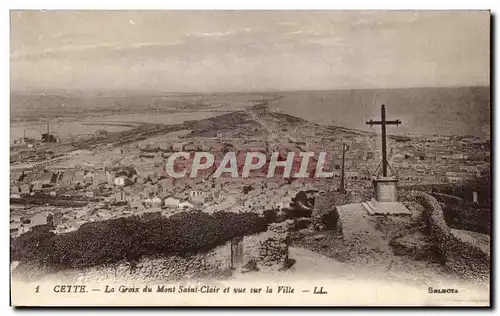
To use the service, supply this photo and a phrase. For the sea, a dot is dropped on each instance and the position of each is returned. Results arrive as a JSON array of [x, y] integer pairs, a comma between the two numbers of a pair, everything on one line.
[[447, 111]]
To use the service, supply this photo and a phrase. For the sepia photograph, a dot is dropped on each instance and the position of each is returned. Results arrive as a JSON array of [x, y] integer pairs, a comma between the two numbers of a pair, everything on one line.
[[250, 158]]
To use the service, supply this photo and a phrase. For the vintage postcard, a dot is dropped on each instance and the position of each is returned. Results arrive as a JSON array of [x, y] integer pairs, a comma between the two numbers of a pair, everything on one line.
[[250, 158]]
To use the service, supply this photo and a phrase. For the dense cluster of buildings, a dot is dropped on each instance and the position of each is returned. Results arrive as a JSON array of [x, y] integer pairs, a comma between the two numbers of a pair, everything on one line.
[[138, 182], [415, 161]]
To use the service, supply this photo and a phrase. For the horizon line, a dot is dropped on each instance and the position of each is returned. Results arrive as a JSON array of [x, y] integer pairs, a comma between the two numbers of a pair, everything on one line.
[[159, 91]]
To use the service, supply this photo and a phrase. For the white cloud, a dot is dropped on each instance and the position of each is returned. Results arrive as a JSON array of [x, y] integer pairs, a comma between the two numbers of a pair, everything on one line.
[[61, 49], [152, 44], [294, 33], [211, 34], [78, 48]]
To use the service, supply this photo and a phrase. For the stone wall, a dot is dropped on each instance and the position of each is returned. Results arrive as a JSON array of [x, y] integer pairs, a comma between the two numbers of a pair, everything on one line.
[[463, 256], [324, 204], [273, 247], [325, 214], [214, 263]]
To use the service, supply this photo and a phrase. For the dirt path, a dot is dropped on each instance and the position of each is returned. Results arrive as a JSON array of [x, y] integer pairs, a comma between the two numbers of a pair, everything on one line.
[[311, 265]]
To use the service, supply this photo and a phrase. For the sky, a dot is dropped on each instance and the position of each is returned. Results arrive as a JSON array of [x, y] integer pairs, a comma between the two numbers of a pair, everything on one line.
[[210, 51]]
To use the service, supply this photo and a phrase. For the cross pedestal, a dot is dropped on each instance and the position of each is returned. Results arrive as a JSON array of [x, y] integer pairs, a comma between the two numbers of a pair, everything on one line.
[[385, 201], [386, 189]]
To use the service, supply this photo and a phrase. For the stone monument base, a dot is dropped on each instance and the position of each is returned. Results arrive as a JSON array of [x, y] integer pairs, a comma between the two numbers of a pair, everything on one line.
[[385, 208], [386, 189]]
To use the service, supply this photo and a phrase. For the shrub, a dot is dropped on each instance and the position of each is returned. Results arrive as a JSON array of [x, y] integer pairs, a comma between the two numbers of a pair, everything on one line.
[[292, 213], [27, 243], [330, 219], [303, 198], [270, 216], [131, 238], [464, 190], [247, 188], [467, 217], [302, 223]]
